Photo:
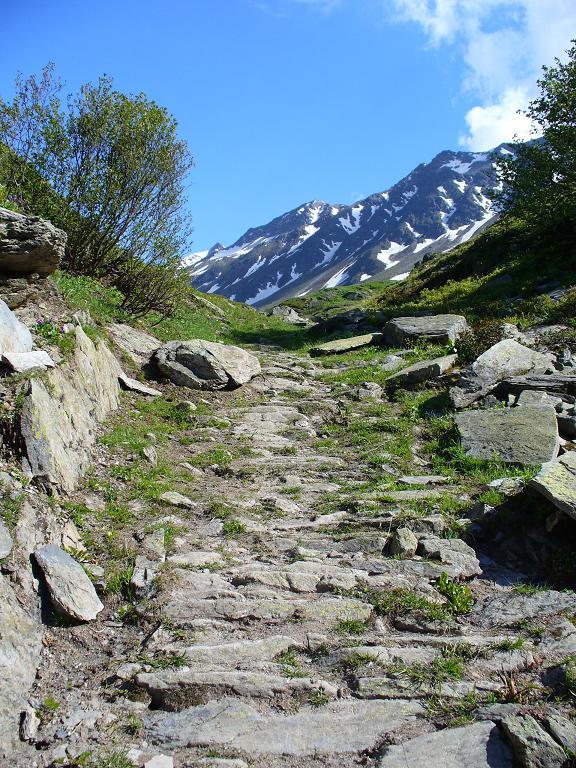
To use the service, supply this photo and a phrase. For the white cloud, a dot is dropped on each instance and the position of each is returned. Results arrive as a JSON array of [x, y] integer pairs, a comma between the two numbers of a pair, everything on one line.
[[503, 44]]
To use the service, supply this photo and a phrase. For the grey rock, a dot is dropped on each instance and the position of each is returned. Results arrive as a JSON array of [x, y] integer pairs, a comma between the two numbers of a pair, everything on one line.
[[509, 358], [143, 574], [59, 432], [196, 559], [422, 479], [29, 724], [559, 383], [150, 454], [133, 385], [160, 761], [137, 344], [425, 370], [182, 688], [341, 727], [20, 645], [556, 481], [532, 746], [6, 542], [219, 762], [527, 435], [439, 329], [339, 346], [507, 609], [71, 591], [392, 362], [404, 543], [29, 245], [176, 499], [475, 746], [288, 314], [239, 652], [460, 559], [24, 362], [14, 336], [563, 731], [206, 365]]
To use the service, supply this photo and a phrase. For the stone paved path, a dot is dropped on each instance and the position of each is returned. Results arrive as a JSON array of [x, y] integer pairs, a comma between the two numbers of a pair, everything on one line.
[[281, 631]]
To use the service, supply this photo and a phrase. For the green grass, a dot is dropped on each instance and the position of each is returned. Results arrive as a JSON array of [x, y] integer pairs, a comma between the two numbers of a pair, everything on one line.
[[290, 664], [351, 627], [165, 660], [10, 509], [459, 596]]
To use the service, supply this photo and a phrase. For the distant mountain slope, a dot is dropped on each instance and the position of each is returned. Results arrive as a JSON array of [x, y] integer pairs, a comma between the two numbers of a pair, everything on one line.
[[319, 245]]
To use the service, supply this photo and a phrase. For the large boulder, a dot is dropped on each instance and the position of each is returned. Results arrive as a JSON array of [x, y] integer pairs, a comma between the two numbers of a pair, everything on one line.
[[339, 346], [14, 336], [525, 435], [71, 591], [200, 364], [557, 482], [29, 245], [509, 358], [437, 329], [288, 314], [503, 360]]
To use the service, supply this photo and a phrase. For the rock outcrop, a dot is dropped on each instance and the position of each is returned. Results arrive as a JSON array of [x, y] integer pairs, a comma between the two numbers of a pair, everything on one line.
[[14, 336], [60, 415], [29, 245], [206, 365], [339, 346]]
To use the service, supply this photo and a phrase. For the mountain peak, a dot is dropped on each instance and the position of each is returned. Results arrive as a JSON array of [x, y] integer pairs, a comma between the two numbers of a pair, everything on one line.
[[318, 244]]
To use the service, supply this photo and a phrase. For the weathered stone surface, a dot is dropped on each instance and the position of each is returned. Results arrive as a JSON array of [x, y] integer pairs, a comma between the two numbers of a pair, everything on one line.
[[425, 370], [21, 362], [475, 746], [404, 543], [342, 727], [509, 608], [526, 435], [179, 689], [133, 385], [459, 558], [560, 383], [439, 329], [176, 499], [59, 432], [242, 651], [532, 746], [196, 559], [556, 481], [206, 365], [509, 358], [71, 591], [159, 761], [20, 645], [29, 244], [563, 731], [340, 346], [6, 542], [137, 344], [14, 336]]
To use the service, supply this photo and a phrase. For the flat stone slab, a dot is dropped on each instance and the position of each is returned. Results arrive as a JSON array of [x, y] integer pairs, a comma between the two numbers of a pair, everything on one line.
[[556, 481], [425, 370], [71, 590], [511, 607], [14, 336], [182, 688], [339, 346], [21, 362], [137, 344], [439, 329], [475, 746], [133, 385], [525, 435], [6, 542], [240, 652], [343, 727]]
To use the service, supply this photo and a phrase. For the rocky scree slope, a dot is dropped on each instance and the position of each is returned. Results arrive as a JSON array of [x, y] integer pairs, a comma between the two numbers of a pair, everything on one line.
[[433, 209], [299, 571]]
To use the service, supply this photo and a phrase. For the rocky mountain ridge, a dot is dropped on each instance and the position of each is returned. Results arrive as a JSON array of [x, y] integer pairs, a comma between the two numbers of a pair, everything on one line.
[[436, 207]]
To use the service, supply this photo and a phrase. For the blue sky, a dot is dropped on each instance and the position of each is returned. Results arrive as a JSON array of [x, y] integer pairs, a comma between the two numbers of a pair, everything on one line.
[[284, 101]]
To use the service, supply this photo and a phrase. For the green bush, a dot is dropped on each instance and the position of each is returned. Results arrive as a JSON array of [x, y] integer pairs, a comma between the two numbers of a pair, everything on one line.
[[482, 335]]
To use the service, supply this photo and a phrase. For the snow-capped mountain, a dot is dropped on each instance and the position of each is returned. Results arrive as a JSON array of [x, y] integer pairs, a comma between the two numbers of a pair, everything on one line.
[[319, 245]]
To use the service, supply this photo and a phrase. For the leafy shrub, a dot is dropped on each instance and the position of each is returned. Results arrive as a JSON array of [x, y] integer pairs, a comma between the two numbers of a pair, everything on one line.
[[459, 596], [478, 339]]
